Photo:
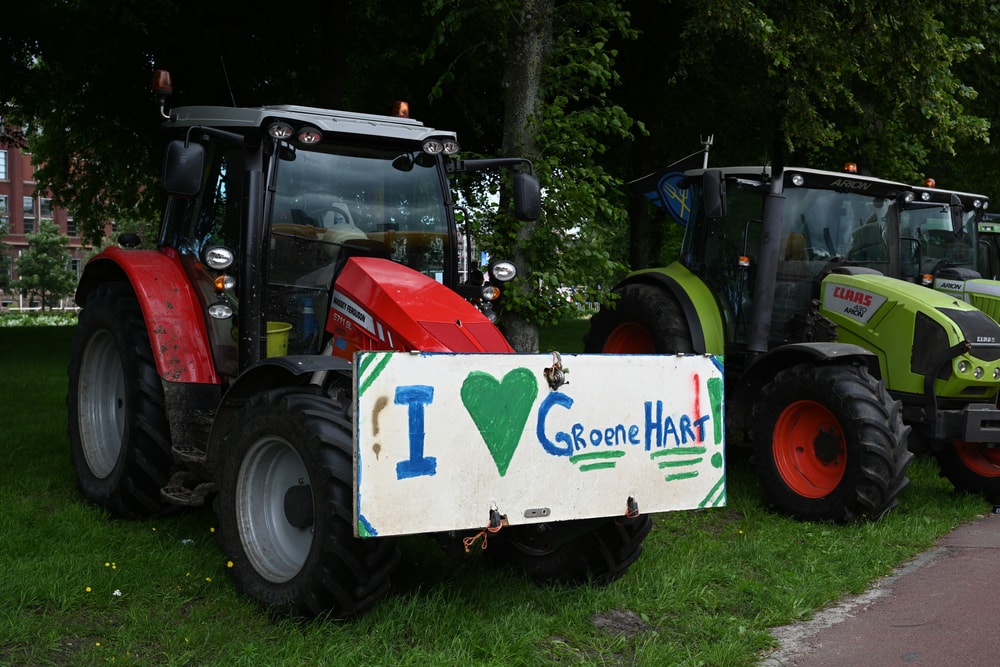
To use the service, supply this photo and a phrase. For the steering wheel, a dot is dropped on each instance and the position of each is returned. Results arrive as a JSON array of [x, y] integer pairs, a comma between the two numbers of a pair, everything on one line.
[[341, 215]]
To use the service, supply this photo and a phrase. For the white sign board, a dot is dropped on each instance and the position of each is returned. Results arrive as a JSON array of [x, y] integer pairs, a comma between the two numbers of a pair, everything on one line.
[[441, 440]]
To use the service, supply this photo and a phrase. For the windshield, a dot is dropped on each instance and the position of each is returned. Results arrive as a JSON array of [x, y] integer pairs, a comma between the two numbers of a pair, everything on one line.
[[929, 229], [338, 201], [393, 202], [821, 225]]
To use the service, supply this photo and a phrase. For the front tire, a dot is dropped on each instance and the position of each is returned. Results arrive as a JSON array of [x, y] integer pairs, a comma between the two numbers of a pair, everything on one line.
[[118, 430], [599, 553], [972, 467], [285, 509], [830, 444]]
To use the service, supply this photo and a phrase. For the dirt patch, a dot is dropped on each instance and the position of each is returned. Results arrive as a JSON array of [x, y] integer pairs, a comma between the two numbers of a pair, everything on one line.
[[620, 622]]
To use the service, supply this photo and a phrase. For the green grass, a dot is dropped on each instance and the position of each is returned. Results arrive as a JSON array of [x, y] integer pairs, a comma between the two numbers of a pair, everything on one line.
[[80, 589]]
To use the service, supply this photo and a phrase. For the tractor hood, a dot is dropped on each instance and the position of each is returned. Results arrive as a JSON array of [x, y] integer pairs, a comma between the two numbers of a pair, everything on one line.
[[969, 287], [378, 304], [947, 338]]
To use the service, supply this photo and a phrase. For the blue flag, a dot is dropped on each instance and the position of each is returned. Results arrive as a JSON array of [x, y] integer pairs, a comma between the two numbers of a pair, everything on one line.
[[666, 188]]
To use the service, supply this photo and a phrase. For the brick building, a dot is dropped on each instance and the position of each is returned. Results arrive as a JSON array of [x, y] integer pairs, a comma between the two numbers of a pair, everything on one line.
[[24, 208]]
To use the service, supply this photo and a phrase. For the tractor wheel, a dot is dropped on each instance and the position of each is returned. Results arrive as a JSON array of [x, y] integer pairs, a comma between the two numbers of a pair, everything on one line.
[[830, 444], [600, 554], [972, 467], [118, 430], [645, 319], [285, 507]]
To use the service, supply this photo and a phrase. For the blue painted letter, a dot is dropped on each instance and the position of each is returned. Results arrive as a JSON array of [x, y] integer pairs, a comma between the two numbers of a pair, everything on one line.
[[416, 397], [554, 398]]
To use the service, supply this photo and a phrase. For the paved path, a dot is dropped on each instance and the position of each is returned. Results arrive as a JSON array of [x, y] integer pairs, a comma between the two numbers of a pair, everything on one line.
[[941, 608]]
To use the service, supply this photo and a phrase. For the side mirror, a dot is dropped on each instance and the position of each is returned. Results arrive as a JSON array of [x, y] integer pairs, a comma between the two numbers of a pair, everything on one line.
[[182, 168], [527, 197], [955, 208], [714, 193]]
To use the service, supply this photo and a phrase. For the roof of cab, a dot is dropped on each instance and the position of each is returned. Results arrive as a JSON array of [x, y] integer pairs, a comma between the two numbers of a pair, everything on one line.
[[326, 120]]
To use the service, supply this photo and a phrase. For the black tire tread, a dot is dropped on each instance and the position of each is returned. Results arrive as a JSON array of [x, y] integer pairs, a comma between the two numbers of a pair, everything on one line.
[[649, 305], [876, 439], [600, 556], [963, 478], [343, 575], [133, 489]]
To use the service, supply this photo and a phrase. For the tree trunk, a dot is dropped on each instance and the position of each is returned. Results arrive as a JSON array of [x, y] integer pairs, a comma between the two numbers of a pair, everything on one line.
[[529, 40]]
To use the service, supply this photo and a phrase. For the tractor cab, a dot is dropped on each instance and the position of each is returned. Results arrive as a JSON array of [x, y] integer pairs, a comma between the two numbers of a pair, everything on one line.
[[268, 206], [828, 223], [939, 230]]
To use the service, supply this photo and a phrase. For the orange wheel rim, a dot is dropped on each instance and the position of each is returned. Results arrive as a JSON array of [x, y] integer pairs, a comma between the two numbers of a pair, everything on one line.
[[629, 338], [979, 458], [809, 449]]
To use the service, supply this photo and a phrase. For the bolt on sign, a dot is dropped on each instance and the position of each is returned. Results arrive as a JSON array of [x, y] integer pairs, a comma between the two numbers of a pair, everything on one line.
[[445, 441]]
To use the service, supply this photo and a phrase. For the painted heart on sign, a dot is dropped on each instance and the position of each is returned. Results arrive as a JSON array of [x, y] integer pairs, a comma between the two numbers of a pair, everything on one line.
[[500, 410]]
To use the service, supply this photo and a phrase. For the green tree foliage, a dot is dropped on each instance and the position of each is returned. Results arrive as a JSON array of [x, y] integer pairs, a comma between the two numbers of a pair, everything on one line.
[[43, 269], [560, 114], [889, 85]]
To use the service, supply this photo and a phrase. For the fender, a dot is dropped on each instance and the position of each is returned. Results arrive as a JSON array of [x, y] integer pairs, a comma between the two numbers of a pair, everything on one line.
[[173, 314], [697, 301], [266, 374], [748, 387]]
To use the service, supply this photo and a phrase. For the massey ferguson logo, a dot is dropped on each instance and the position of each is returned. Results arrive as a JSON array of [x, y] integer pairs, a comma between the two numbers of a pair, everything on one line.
[[850, 185]]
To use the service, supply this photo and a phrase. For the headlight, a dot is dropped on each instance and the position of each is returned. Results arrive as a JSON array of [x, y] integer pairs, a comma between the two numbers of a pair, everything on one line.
[[503, 271], [220, 311]]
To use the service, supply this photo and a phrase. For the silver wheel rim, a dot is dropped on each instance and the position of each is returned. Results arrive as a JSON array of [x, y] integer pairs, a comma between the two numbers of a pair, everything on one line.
[[276, 548], [103, 404]]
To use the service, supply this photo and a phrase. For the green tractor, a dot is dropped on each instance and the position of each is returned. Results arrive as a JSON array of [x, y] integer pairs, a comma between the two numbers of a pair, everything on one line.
[[836, 372], [944, 244]]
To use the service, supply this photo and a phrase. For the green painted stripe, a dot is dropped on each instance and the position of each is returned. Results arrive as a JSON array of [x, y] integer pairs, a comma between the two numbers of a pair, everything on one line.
[[677, 464], [613, 454], [718, 488], [367, 382], [597, 466], [715, 396], [681, 475], [678, 451]]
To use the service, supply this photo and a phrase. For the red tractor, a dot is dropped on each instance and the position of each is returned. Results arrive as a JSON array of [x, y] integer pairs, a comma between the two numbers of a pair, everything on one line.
[[224, 365]]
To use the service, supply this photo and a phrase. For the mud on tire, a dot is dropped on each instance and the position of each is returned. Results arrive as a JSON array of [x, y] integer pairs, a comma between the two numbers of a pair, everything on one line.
[[285, 507], [830, 444], [118, 429]]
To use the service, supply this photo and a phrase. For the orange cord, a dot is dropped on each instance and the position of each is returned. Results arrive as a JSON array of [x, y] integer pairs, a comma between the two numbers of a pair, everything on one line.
[[469, 541]]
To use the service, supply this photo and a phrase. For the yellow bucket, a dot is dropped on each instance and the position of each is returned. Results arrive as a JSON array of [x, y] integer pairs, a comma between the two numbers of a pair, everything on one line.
[[277, 338]]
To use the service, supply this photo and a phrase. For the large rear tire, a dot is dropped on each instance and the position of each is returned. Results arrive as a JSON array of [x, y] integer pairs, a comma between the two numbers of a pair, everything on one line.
[[972, 467], [285, 507], [118, 430], [599, 555], [830, 444], [644, 320]]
